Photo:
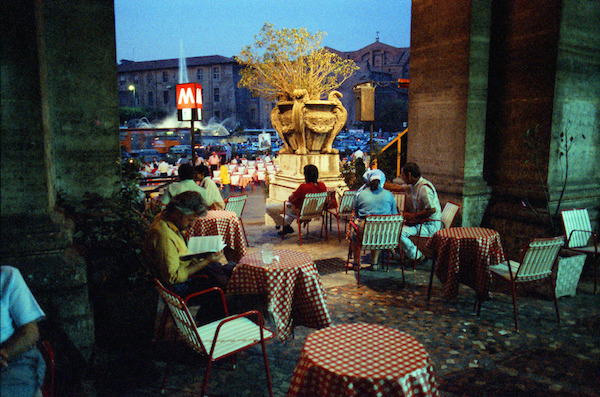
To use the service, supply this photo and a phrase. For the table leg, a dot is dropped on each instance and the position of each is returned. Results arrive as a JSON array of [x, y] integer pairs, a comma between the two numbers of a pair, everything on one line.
[[431, 280]]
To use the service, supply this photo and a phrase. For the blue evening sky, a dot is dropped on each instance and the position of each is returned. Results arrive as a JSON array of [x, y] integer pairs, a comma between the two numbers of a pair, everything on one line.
[[155, 29]]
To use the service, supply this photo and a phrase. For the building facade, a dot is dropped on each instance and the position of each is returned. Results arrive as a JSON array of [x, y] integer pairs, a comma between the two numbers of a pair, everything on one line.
[[151, 84]]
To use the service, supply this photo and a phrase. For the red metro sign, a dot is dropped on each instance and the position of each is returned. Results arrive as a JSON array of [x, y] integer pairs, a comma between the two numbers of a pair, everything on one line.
[[189, 101], [189, 96]]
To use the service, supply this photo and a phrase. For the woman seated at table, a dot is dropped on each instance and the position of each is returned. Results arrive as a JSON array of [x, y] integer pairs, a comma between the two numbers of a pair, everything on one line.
[[166, 243], [295, 201], [373, 199]]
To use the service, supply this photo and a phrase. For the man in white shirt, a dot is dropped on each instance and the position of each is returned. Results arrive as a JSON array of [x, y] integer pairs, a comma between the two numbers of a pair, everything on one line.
[[22, 364], [213, 197], [186, 183], [426, 205], [213, 161]]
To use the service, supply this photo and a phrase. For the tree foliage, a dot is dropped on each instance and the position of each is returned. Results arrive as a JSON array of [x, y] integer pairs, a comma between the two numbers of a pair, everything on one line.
[[285, 60]]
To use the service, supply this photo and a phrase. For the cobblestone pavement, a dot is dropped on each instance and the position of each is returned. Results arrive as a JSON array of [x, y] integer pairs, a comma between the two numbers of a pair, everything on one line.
[[472, 356]]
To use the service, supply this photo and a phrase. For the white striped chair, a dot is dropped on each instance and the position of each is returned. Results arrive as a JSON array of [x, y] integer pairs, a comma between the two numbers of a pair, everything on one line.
[[218, 339]]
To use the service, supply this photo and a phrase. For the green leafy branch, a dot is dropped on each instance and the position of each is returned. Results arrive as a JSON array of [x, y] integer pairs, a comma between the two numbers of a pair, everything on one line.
[[564, 142], [285, 60]]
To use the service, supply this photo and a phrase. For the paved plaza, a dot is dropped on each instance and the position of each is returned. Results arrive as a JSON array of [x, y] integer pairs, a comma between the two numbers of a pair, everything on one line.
[[472, 356]]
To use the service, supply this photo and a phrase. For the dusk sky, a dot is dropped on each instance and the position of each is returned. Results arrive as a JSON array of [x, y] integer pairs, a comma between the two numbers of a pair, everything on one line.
[[153, 29]]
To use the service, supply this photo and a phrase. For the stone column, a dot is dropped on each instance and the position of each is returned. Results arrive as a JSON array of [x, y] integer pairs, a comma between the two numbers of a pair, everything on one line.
[[448, 99], [59, 138], [482, 74]]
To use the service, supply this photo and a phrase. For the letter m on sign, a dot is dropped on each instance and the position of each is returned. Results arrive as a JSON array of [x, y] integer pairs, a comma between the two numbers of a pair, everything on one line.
[[189, 96]]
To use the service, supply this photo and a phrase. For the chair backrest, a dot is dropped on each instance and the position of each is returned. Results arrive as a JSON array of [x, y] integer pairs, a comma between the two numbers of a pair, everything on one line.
[[449, 213], [235, 179], [537, 259], [236, 204], [400, 201], [182, 317], [347, 202], [578, 227], [382, 231], [313, 205], [48, 355]]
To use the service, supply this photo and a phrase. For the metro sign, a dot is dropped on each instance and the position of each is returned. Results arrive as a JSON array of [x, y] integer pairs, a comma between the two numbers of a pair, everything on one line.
[[189, 101]]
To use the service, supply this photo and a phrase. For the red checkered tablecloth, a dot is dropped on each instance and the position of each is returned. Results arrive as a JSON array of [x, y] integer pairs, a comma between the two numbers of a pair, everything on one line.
[[362, 360], [464, 255], [225, 224], [292, 285]]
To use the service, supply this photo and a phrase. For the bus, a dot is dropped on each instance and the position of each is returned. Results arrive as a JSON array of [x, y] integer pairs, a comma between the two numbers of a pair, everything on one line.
[[161, 139]]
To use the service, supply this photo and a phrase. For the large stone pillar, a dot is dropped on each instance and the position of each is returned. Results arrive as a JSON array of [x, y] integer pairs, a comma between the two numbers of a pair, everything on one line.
[[59, 139], [545, 69], [483, 72], [448, 98]]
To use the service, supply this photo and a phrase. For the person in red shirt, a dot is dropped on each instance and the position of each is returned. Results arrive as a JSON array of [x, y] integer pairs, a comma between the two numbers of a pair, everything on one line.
[[311, 185]]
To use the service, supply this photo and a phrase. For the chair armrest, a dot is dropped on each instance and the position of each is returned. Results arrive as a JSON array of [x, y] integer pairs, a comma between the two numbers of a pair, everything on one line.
[[234, 317], [206, 291], [422, 221], [353, 225], [593, 235]]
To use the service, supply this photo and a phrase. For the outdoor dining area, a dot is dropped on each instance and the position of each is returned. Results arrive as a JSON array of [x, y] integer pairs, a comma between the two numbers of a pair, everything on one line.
[[439, 327]]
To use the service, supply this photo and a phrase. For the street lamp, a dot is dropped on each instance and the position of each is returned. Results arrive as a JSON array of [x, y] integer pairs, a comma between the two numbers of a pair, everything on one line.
[[132, 89]]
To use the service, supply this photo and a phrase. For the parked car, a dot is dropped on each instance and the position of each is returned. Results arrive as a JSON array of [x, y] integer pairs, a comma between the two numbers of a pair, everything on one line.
[[176, 152], [148, 154]]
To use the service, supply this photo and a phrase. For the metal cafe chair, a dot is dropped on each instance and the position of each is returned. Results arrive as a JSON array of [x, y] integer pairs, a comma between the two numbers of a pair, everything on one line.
[[448, 214], [312, 208], [236, 204], [218, 339], [580, 237], [400, 202], [381, 232], [48, 355], [345, 210], [536, 264]]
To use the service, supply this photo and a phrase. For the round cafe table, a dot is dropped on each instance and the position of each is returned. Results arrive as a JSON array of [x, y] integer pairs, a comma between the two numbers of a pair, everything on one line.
[[464, 255], [225, 224], [292, 284], [362, 360]]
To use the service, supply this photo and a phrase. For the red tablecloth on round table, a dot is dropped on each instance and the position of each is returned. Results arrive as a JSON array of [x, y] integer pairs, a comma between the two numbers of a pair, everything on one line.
[[292, 284], [464, 255], [225, 224], [362, 360]]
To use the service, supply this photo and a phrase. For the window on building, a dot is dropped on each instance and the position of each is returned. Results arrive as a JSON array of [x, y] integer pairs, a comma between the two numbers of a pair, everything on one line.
[[149, 78], [218, 114], [165, 97], [136, 79], [200, 74], [252, 114], [216, 95], [121, 80], [151, 98], [165, 77], [216, 73]]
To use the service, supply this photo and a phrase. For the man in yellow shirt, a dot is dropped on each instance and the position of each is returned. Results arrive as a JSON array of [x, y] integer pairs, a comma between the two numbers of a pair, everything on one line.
[[166, 242]]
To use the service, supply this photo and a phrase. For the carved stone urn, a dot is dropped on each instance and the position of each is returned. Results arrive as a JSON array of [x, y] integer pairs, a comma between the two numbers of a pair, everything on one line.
[[309, 126]]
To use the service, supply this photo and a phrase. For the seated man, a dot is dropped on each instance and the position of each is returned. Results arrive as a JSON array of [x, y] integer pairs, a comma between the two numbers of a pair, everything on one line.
[[186, 183], [166, 242], [373, 199], [426, 205], [311, 185], [22, 364], [213, 198]]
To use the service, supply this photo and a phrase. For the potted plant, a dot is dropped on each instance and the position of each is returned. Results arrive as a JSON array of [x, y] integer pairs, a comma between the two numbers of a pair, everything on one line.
[[290, 66]]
